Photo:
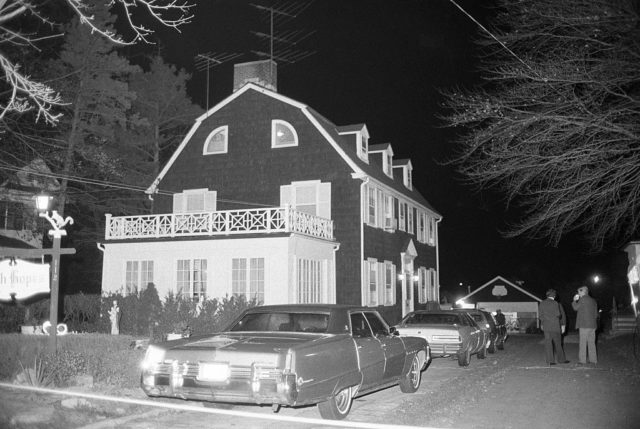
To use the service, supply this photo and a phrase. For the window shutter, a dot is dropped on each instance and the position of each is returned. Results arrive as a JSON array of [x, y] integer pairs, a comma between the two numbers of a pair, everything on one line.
[[285, 195], [324, 200], [210, 201], [380, 209], [178, 203]]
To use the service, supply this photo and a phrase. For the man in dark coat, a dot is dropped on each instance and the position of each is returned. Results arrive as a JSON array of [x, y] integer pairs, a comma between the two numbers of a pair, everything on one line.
[[553, 322], [586, 322]]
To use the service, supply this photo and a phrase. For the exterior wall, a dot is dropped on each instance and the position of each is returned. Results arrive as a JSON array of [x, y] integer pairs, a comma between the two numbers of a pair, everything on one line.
[[387, 246], [277, 251], [250, 157]]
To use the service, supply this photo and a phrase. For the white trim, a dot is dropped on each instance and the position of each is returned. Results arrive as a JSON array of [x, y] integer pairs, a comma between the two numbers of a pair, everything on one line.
[[504, 280], [274, 124], [152, 189], [224, 128]]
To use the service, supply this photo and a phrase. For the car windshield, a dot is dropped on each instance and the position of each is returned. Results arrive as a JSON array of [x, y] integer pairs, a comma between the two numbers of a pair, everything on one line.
[[431, 319], [283, 321]]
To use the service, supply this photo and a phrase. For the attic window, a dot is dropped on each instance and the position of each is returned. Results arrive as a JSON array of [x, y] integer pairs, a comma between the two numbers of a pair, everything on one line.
[[363, 147], [283, 134], [217, 141]]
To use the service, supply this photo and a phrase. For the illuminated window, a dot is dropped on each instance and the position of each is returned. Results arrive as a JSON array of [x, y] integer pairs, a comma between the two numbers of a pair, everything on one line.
[[283, 134], [217, 141]]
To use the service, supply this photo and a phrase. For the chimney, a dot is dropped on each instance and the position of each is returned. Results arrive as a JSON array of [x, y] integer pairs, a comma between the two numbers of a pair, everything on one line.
[[263, 73]]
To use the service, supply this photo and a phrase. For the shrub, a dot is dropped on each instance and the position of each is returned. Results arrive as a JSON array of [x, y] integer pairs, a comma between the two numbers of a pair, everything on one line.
[[64, 365], [82, 312]]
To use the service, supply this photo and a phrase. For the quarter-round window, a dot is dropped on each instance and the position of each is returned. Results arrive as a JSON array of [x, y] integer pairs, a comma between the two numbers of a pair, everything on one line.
[[283, 134], [216, 141]]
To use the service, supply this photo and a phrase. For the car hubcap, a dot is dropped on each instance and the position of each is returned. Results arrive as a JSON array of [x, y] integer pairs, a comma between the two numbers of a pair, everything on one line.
[[415, 373], [343, 400]]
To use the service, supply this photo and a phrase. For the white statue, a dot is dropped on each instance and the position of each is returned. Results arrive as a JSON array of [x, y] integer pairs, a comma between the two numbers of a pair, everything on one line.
[[114, 315]]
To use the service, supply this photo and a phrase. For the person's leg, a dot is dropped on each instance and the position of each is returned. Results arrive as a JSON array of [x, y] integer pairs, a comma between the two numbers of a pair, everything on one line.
[[591, 345], [557, 339], [582, 350], [548, 347]]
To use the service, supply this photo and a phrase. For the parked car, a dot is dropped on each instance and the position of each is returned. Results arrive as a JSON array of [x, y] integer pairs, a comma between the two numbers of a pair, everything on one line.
[[485, 321], [449, 333], [289, 355]]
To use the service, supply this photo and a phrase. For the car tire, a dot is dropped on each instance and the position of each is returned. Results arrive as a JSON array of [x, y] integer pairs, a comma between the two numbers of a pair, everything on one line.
[[482, 353], [464, 357], [410, 382], [337, 406]]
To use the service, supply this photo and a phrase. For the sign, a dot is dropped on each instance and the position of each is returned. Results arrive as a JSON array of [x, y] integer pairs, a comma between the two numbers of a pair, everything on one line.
[[22, 278]]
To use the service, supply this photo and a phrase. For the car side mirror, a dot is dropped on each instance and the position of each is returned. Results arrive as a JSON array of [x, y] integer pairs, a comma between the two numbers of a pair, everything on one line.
[[393, 331]]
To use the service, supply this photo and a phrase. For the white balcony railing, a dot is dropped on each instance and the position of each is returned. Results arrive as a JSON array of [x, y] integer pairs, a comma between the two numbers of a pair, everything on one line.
[[227, 222]]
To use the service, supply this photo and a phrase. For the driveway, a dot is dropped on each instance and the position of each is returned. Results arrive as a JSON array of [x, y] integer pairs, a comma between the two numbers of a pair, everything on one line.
[[510, 389]]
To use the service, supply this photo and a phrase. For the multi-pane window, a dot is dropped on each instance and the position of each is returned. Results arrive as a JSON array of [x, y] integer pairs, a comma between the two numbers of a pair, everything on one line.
[[402, 209], [138, 275], [306, 199], [194, 200], [427, 285], [389, 221], [389, 283], [433, 295], [432, 231], [371, 277], [217, 141], [191, 278], [379, 283], [423, 286], [283, 134], [247, 278], [422, 233], [372, 206], [309, 281], [312, 197]]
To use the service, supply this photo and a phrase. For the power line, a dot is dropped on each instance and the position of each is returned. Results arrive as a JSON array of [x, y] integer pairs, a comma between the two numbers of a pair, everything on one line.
[[116, 185]]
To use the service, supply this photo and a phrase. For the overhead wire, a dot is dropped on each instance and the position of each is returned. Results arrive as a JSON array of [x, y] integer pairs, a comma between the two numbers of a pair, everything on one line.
[[117, 185]]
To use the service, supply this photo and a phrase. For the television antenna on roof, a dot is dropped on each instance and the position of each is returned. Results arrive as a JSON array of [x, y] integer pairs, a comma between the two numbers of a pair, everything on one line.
[[209, 60], [283, 45]]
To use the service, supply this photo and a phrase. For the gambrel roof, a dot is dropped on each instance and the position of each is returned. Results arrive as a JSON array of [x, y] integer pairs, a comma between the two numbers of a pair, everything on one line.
[[326, 128]]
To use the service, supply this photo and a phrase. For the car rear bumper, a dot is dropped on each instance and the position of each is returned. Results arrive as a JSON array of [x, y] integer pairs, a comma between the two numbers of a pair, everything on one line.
[[282, 391]]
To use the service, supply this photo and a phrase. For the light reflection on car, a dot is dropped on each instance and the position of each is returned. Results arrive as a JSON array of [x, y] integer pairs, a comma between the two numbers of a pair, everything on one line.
[[449, 333]]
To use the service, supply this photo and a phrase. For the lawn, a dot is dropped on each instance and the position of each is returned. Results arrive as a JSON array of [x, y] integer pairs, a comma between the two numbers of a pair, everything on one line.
[[109, 359]]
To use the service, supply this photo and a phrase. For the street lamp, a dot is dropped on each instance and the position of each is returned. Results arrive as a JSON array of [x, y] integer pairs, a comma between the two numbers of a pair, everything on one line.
[[58, 223]]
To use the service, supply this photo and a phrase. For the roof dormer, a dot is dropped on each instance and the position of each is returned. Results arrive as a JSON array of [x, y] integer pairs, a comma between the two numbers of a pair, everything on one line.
[[407, 168], [386, 152], [360, 135]]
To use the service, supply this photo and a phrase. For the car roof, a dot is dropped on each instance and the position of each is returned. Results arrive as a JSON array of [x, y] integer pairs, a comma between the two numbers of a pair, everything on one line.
[[310, 308]]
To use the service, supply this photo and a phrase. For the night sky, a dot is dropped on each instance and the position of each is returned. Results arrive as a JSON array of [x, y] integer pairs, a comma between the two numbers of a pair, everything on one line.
[[383, 63]]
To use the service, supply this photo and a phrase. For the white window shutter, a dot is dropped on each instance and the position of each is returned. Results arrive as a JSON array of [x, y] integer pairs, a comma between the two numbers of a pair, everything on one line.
[[324, 200], [285, 195], [210, 201], [178, 203], [381, 283]]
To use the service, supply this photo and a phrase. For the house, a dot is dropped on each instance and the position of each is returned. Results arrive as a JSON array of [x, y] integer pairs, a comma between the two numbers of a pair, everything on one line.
[[519, 306], [19, 221], [267, 198]]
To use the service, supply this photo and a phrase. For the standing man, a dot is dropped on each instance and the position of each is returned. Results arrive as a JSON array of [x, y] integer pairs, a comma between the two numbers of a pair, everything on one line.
[[553, 322], [586, 322]]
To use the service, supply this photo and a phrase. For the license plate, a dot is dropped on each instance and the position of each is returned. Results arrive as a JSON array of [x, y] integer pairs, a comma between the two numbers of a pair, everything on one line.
[[213, 371]]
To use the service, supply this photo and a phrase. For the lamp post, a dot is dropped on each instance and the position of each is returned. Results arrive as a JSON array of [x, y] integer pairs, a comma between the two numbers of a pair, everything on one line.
[[58, 223]]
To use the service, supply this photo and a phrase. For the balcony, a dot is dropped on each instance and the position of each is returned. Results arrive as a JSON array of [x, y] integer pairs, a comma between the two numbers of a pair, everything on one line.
[[218, 223]]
